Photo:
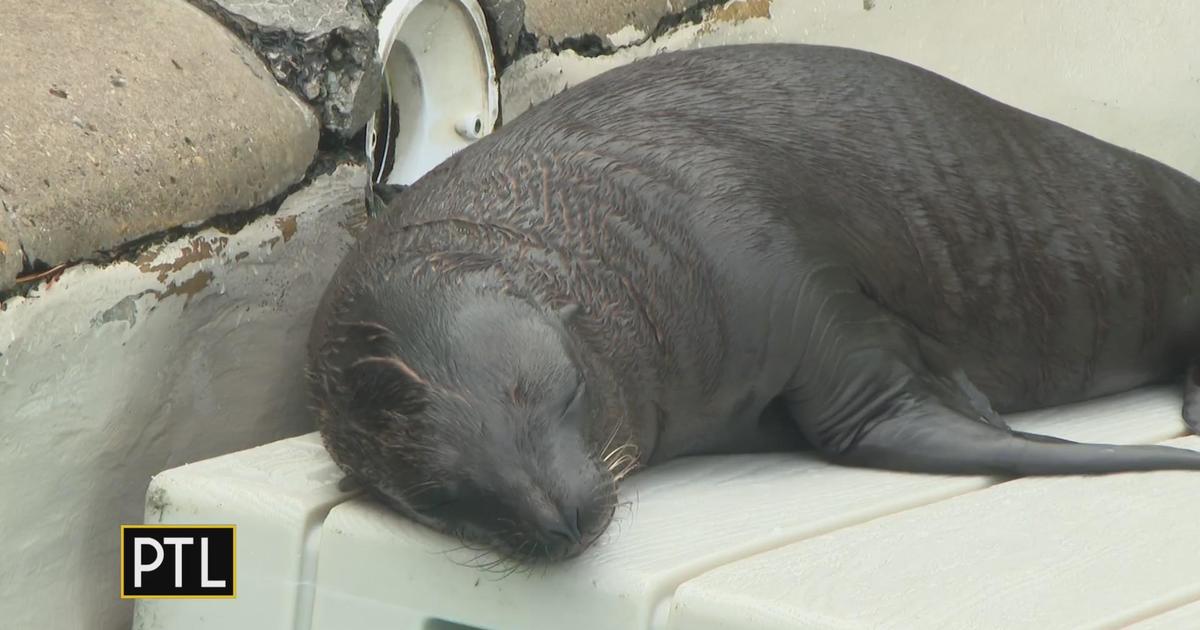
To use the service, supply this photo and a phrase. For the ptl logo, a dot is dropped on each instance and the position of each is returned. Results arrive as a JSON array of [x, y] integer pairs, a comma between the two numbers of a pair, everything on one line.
[[178, 561]]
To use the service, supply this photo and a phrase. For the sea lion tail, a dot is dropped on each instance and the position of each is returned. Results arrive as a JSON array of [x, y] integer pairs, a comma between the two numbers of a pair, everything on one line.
[[932, 439]]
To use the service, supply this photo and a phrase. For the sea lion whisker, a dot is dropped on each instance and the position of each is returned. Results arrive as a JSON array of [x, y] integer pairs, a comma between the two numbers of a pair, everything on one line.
[[449, 550], [501, 567], [611, 437], [525, 549], [621, 449], [629, 467], [369, 325], [618, 454], [490, 566], [480, 553], [513, 567], [474, 562], [420, 484], [620, 462]]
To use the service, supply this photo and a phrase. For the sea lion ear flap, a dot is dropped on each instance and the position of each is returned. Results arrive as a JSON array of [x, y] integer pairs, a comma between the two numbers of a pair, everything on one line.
[[384, 387]]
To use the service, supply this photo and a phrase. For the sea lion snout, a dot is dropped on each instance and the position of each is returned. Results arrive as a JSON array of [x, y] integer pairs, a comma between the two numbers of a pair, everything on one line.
[[553, 496], [556, 531], [527, 511], [529, 489]]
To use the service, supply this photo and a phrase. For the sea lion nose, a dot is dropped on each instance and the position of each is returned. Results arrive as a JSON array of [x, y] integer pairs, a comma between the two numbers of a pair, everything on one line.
[[559, 529], [567, 528]]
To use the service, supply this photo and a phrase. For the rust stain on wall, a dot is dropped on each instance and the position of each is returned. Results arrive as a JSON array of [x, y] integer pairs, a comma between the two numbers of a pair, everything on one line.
[[287, 227], [735, 12], [197, 283], [198, 249]]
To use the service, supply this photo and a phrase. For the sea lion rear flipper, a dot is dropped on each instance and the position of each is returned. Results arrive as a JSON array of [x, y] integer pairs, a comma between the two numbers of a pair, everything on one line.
[[931, 438], [1043, 438], [1191, 397], [872, 391]]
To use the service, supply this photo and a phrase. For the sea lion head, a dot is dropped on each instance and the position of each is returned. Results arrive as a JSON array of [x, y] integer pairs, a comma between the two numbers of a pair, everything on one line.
[[470, 412]]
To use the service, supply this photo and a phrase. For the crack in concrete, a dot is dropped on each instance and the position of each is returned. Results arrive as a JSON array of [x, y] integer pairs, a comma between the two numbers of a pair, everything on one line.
[[197, 249], [595, 45], [331, 66]]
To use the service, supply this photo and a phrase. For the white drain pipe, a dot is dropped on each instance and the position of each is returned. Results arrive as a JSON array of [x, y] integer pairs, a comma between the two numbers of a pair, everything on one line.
[[440, 86]]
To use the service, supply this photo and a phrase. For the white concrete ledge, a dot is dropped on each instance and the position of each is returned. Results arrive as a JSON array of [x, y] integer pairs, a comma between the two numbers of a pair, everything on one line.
[[278, 496], [771, 541], [1069, 553]]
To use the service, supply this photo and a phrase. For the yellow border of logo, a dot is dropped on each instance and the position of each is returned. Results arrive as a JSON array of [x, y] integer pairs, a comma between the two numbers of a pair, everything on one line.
[[121, 562]]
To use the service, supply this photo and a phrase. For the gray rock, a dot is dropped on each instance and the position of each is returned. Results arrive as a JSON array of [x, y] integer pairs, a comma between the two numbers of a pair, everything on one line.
[[506, 21], [324, 50], [374, 8], [125, 119]]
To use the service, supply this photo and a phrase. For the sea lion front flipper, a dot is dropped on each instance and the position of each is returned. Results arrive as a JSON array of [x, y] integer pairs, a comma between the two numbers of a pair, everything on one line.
[[1191, 397]]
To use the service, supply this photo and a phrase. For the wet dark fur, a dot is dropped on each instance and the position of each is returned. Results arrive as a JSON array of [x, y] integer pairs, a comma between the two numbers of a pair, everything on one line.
[[761, 239]]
